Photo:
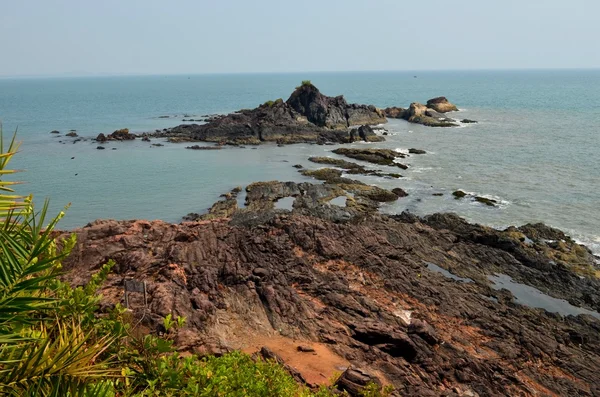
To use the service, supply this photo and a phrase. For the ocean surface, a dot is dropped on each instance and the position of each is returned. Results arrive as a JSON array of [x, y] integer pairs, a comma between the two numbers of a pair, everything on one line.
[[535, 148]]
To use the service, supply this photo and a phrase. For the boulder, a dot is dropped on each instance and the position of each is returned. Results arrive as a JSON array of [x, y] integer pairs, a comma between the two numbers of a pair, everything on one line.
[[399, 192], [122, 135], [441, 105], [55, 132], [72, 134], [354, 380], [101, 138], [364, 133], [416, 151], [395, 112]]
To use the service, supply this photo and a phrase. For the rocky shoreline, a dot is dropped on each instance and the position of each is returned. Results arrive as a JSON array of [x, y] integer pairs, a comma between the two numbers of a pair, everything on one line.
[[362, 289], [311, 274]]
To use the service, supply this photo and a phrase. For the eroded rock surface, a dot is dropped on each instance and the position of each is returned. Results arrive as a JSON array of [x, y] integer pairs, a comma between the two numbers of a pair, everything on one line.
[[359, 291]]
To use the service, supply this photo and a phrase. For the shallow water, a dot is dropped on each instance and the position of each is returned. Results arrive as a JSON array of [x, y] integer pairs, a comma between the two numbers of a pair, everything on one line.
[[533, 297], [339, 201], [285, 203], [446, 273], [534, 149]]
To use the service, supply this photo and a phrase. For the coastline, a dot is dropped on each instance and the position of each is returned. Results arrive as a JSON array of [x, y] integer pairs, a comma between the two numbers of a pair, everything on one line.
[[315, 263]]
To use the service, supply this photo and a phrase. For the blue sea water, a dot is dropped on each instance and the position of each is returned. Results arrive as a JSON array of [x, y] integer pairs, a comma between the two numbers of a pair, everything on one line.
[[535, 148]]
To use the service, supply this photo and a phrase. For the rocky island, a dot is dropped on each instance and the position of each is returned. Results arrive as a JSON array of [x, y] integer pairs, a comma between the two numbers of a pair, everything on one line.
[[306, 116]]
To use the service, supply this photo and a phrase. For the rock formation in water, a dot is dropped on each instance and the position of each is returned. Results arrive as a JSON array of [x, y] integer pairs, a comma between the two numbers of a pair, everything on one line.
[[357, 288], [307, 116], [118, 135], [431, 115]]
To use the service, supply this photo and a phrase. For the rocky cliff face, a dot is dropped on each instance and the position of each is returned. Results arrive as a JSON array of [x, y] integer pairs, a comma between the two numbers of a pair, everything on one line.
[[307, 116], [361, 291]]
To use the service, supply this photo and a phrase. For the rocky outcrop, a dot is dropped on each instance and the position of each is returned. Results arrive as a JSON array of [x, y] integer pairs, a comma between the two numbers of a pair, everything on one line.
[[361, 294], [459, 194], [375, 156], [331, 112], [430, 115], [364, 133], [352, 168], [421, 114], [307, 116], [395, 112], [118, 135], [441, 105]]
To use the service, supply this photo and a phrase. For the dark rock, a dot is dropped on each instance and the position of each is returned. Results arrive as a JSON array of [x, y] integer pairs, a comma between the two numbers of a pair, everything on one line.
[[376, 156], [424, 330], [55, 132], [467, 121], [100, 148], [331, 112], [298, 166], [399, 192], [121, 135], [101, 138], [157, 144], [364, 133], [416, 151], [198, 147], [71, 134], [486, 201], [305, 349], [307, 116], [146, 139], [459, 194]]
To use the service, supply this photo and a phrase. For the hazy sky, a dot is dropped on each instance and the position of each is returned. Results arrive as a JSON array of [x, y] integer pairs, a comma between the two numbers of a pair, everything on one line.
[[75, 37]]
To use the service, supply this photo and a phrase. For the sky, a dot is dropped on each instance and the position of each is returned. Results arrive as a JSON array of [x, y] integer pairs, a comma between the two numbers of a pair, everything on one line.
[[81, 37]]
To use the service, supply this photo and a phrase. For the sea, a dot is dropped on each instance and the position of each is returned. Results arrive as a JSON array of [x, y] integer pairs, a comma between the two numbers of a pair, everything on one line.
[[536, 148]]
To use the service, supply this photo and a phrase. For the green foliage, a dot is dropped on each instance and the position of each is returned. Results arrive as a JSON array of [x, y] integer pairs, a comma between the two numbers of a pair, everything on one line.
[[306, 83], [270, 104], [42, 350]]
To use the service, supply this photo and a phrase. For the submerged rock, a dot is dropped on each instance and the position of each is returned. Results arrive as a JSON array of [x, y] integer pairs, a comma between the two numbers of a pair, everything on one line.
[[198, 147], [416, 151]]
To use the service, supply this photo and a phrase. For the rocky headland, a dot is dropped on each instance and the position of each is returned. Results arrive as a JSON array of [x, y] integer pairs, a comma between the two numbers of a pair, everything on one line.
[[325, 285]]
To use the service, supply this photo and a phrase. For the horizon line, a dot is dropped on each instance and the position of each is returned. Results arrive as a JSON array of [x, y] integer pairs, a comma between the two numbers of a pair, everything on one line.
[[153, 74]]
